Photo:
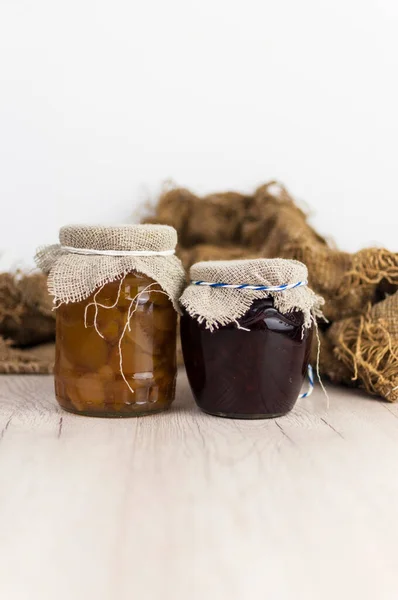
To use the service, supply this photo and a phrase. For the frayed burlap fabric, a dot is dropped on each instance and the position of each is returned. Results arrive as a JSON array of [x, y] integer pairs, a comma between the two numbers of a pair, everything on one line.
[[218, 306], [368, 346], [356, 287], [74, 277], [27, 324], [37, 360]]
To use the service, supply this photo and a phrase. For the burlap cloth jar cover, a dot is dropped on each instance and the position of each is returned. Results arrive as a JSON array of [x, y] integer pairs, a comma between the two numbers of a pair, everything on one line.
[[75, 269], [218, 306]]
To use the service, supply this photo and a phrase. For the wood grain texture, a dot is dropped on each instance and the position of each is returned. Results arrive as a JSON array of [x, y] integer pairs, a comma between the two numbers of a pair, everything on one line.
[[182, 505]]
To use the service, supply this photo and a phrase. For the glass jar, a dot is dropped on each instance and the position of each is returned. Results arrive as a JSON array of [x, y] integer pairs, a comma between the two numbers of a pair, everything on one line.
[[116, 350], [251, 369]]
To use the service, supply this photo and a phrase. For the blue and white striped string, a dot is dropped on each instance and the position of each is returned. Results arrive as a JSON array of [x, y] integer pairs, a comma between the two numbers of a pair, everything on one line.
[[257, 288], [266, 288], [310, 374]]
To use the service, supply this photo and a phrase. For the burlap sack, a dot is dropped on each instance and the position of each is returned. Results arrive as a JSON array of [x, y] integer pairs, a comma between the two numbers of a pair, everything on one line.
[[73, 277], [368, 346], [270, 224], [218, 306], [27, 324], [26, 316], [36, 360]]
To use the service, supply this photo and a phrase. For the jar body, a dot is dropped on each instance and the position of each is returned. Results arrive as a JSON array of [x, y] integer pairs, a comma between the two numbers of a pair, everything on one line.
[[121, 361], [247, 374]]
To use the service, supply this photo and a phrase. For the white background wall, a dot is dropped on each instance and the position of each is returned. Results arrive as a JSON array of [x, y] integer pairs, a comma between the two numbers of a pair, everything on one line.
[[103, 100]]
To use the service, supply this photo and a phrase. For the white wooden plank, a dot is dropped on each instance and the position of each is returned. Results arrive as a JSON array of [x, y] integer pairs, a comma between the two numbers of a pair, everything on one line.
[[185, 505]]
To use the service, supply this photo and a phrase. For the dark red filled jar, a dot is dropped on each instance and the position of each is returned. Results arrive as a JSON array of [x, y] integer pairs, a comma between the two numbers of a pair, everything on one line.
[[254, 366]]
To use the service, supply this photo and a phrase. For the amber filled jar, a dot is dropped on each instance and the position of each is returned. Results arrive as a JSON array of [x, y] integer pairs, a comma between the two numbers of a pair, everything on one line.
[[253, 366], [111, 369], [115, 347]]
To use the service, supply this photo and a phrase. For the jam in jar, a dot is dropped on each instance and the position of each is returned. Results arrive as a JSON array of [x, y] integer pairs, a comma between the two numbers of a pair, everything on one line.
[[251, 369], [116, 356]]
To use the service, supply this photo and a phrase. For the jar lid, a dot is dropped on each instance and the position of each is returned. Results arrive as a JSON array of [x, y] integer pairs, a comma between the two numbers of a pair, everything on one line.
[[89, 256], [221, 292], [259, 271], [156, 238]]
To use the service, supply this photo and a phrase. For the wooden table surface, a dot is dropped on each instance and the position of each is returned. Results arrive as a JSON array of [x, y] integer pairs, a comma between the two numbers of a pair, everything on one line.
[[184, 506]]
